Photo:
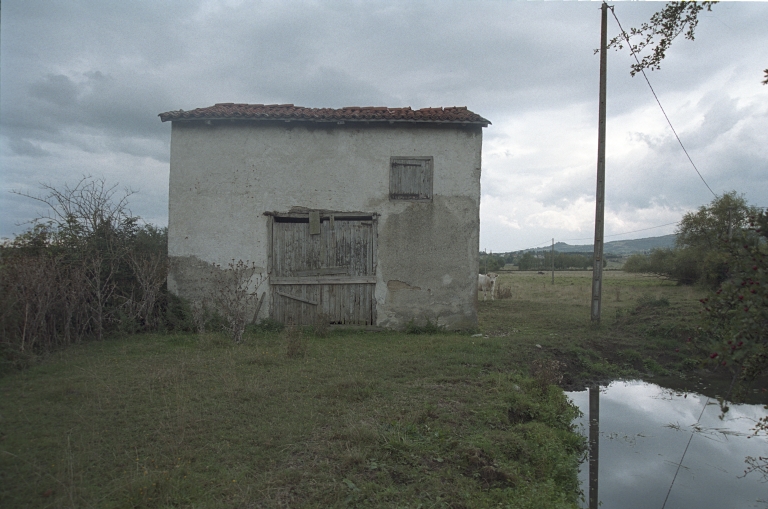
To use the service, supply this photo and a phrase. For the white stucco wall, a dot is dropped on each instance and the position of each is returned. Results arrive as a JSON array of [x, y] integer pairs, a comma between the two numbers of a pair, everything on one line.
[[225, 175]]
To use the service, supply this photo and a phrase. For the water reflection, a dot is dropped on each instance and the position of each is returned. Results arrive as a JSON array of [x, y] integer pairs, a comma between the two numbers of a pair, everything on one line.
[[644, 432], [594, 446]]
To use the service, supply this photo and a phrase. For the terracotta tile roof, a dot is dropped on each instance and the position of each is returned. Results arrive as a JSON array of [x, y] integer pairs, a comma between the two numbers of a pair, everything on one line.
[[289, 112]]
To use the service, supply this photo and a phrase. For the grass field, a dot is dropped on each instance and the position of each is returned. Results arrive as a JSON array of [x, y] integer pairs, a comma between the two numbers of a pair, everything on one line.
[[644, 327], [352, 419]]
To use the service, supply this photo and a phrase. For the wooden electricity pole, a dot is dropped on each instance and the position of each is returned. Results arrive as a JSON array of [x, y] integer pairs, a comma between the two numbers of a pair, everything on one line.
[[597, 267]]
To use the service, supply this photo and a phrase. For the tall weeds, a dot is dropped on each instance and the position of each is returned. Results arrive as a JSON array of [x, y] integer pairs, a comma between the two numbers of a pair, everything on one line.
[[84, 269]]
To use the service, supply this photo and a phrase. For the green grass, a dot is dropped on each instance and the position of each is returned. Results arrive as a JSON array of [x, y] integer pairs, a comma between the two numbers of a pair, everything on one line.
[[643, 331], [342, 418], [356, 420]]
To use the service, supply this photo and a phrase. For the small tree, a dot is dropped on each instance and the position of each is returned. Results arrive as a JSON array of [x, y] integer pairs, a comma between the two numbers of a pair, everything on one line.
[[703, 237], [235, 295], [702, 251], [525, 262]]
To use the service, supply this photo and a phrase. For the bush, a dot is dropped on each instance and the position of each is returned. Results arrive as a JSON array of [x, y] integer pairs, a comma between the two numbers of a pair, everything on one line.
[[736, 325], [83, 270], [702, 254], [235, 295]]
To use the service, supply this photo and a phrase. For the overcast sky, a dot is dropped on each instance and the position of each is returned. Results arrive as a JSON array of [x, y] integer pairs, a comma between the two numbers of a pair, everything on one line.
[[82, 82]]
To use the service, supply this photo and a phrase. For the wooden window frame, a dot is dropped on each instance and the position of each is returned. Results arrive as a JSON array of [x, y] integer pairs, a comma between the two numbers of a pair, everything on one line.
[[402, 160]]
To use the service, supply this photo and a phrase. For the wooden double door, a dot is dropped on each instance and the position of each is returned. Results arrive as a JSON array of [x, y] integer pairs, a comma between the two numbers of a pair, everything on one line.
[[323, 268]]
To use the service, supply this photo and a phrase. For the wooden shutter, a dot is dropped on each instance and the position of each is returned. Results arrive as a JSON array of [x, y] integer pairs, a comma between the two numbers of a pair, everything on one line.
[[410, 178]]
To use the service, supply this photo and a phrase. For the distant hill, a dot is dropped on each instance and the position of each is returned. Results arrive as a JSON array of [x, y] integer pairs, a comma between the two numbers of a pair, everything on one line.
[[621, 247]]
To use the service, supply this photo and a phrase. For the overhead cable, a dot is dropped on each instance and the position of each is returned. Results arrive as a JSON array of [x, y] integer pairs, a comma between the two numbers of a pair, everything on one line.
[[626, 37]]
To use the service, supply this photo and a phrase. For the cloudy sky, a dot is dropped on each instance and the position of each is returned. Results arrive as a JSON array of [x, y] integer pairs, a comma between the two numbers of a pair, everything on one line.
[[82, 82]]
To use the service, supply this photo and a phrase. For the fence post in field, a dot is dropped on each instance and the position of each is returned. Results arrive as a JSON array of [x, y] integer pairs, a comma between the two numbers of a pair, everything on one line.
[[553, 261]]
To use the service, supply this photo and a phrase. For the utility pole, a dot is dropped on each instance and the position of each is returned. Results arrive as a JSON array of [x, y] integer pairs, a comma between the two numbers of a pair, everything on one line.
[[553, 260], [597, 267]]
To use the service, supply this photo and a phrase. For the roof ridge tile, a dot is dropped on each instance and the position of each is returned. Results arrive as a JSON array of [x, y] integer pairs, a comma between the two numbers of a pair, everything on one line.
[[443, 115]]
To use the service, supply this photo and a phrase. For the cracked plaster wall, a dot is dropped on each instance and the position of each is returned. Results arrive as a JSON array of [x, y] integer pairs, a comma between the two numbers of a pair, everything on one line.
[[224, 176]]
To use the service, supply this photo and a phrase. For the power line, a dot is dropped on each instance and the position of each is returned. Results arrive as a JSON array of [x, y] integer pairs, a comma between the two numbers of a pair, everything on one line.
[[684, 453], [626, 37], [624, 233], [642, 230]]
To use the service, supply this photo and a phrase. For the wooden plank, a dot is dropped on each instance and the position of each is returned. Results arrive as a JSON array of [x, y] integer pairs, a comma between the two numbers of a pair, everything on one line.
[[314, 222], [322, 280], [300, 299], [258, 307], [370, 305], [356, 296], [323, 271], [374, 244], [322, 238], [324, 214], [270, 242]]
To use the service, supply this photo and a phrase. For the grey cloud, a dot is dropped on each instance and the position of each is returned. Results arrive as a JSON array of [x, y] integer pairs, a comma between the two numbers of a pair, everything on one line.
[[722, 114], [92, 77], [25, 148], [56, 89], [59, 109]]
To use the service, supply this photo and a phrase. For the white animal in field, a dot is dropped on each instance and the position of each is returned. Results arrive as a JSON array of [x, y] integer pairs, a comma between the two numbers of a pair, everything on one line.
[[486, 282]]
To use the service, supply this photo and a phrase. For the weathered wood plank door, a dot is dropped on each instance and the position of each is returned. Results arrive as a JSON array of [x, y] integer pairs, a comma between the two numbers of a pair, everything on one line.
[[323, 268]]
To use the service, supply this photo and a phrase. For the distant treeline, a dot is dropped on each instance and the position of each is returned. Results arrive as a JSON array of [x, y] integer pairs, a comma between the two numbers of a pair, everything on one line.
[[539, 261]]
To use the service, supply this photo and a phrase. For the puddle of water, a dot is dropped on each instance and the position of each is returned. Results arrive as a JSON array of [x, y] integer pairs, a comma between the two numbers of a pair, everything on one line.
[[644, 432]]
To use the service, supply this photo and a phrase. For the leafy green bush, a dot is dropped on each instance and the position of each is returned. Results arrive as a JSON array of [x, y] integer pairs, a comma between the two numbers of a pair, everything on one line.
[[701, 255], [680, 265], [736, 325]]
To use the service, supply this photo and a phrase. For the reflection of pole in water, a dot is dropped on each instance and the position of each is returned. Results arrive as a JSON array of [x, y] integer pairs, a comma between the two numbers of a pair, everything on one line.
[[594, 443]]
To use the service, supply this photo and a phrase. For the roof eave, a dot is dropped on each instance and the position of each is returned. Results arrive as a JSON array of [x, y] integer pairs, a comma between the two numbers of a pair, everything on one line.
[[482, 123]]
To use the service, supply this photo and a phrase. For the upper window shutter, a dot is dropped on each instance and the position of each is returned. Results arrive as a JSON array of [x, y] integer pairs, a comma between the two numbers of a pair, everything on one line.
[[410, 178]]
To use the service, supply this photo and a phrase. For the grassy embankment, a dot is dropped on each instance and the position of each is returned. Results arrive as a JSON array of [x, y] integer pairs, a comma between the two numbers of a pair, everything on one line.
[[355, 419]]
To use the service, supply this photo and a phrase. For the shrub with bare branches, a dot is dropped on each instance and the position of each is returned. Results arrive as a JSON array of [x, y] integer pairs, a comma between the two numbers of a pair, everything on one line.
[[85, 268], [234, 294]]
